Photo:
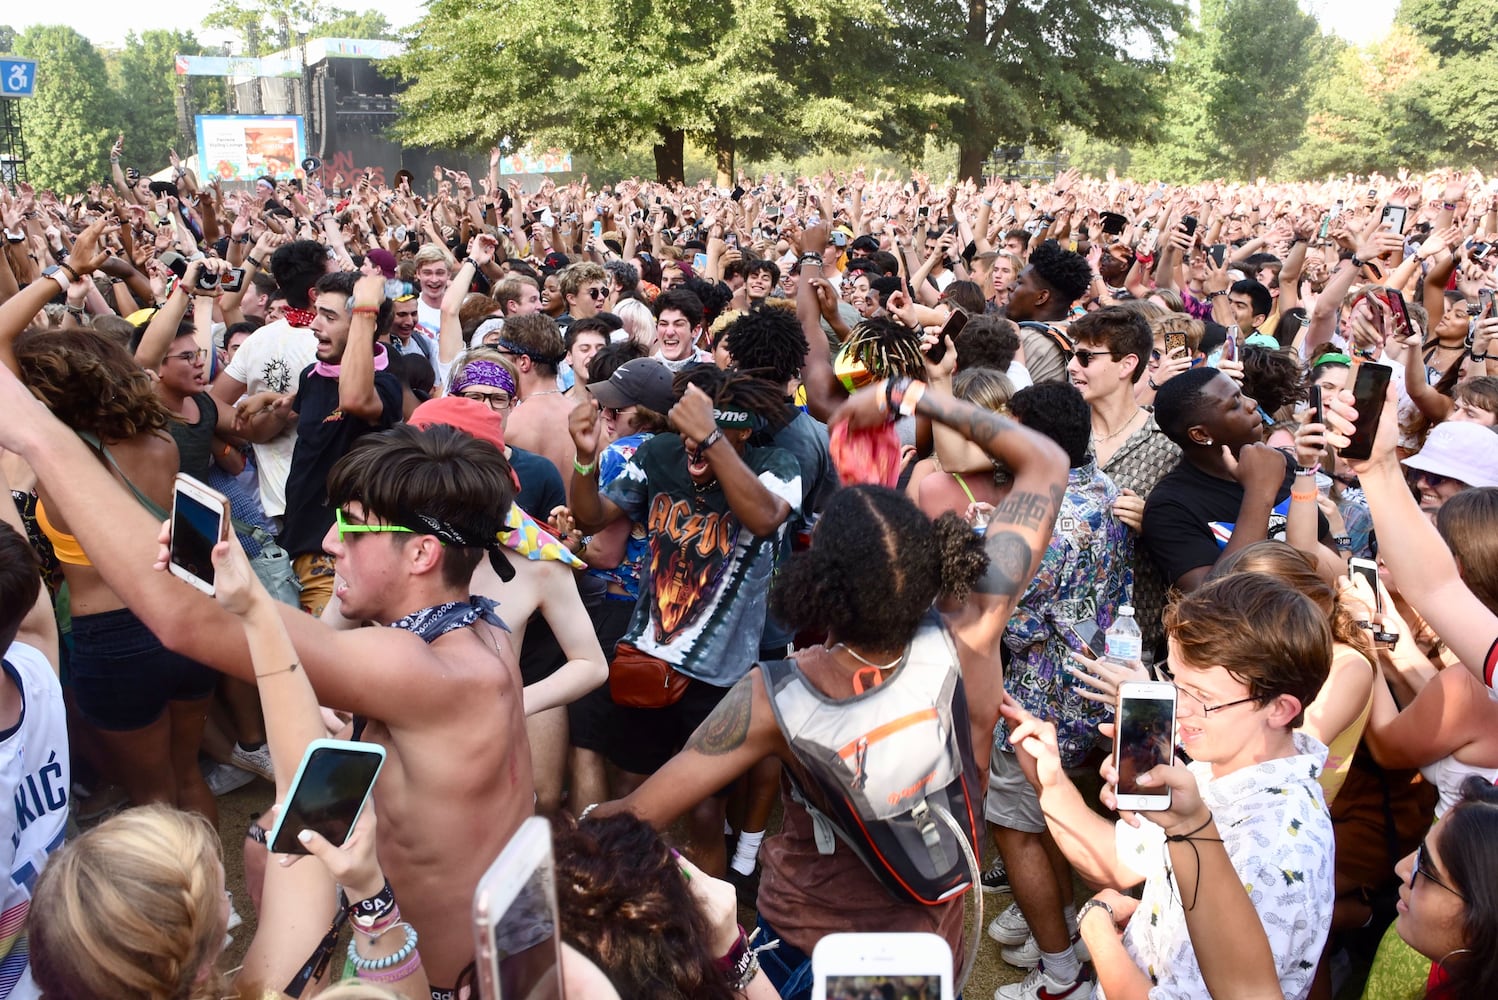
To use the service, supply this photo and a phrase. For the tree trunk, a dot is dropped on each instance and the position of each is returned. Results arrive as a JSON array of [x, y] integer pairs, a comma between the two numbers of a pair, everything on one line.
[[670, 154], [723, 143], [970, 157]]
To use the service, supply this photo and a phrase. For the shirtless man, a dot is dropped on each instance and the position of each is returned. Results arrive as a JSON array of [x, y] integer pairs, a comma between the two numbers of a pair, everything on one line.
[[448, 710], [539, 421]]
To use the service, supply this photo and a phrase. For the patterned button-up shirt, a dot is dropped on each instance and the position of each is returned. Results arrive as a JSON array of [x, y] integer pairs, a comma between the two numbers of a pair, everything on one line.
[[1083, 575], [1278, 834]]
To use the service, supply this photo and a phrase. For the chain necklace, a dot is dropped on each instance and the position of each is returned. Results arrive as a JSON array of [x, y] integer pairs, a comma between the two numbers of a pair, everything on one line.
[[1128, 424]]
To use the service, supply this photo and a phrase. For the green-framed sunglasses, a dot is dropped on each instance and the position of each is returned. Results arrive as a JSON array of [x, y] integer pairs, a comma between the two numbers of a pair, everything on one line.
[[345, 528]]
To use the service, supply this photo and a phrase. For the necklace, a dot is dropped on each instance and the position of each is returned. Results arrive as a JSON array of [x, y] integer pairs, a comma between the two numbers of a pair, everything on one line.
[[543, 392], [874, 672], [1127, 425]]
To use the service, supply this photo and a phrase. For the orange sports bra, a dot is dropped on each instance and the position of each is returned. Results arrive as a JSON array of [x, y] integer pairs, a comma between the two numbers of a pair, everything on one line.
[[64, 546]]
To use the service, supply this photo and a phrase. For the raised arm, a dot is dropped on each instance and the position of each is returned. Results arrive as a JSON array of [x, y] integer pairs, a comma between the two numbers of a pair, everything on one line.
[[357, 395], [591, 510]]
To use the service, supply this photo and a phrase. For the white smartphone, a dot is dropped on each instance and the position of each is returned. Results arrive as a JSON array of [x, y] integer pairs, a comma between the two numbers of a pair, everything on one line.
[[329, 792], [1368, 570], [918, 966], [200, 518], [517, 934], [1144, 736]]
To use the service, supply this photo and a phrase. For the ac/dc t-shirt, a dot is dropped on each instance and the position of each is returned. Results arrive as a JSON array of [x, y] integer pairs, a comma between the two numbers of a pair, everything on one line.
[[1190, 516], [706, 579]]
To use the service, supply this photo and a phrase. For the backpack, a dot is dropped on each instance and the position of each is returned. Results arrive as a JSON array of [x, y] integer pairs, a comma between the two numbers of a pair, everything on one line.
[[892, 770], [1055, 334]]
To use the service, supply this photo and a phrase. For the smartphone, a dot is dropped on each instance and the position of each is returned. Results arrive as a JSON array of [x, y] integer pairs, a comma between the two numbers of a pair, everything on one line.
[[1318, 412], [699, 263], [923, 211], [1394, 216], [1143, 737], [1368, 388], [1394, 299], [868, 965], [517, 933], [1219, 252], [1368, 570], [951, 328], [328, 793], [1480, 251], [1090, 636], [597, 230], [1146, 245], [200, 520], [1190, 223], [1337, 208], [1230, 347], [1484, 303], [1326, 226], [1174, 342], [731, 239], [547, 218], [233, 280]]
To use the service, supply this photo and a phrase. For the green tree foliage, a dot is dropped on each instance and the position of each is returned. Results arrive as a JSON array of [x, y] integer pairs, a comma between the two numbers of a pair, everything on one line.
[[70, 122], [147, 84], [7, 38], [1021, 69], [1263, 59], [758, 76], [271, 25], [370, 24], [1451, 113]]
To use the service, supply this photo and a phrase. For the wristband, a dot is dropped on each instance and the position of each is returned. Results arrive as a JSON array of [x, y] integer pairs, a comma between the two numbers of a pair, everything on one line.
[[367, 912], [1152, 384], [584, 470], [1307, 470], [734, 954], [709, 441], [252, 259], [1294, 496], [911, 397], [365, 310], [1213, 295]]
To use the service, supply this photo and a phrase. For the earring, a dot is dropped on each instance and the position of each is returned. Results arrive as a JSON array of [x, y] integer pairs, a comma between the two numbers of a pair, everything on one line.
[[1209, 442]]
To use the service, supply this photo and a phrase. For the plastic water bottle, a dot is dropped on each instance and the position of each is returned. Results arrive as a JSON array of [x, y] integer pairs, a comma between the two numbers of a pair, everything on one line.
[[1124, 640]]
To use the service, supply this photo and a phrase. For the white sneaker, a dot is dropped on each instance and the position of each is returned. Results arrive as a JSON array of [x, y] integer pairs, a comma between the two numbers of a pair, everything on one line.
[[1027, 955], [254, 761], [1040, 985], [225, 778], [1009, 927]]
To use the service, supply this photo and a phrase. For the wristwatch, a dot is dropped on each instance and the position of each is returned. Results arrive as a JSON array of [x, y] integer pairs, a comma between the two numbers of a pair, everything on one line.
[[1095, 904], [1342, 542]]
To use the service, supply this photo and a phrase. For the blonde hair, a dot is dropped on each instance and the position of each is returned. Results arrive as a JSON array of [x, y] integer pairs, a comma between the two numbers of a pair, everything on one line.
[[638, 320], [131, 910], [432, 253]]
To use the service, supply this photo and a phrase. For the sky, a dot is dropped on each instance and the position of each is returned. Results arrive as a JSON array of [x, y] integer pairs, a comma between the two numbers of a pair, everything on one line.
[[105, 22]]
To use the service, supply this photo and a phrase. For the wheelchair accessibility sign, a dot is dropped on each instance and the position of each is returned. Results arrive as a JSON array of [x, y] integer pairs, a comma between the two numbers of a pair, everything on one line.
[[17, 77]]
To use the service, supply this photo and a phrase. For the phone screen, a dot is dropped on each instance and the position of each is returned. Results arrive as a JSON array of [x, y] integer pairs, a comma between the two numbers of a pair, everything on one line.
[[196, 529], [1090, 637], [1368, 394], [885, 985], [1145, 738], [1368, 570], [526, 940], [699, 263], [329, 793], [233, 281]]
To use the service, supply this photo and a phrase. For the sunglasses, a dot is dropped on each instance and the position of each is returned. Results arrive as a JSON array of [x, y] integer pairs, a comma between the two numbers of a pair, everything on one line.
[[1435, 480], [1423, 866], [345, 528], [598, 293], [1084, 357]]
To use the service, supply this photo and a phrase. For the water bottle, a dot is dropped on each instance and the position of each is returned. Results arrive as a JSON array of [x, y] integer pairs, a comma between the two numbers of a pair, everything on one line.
[[1124, 640]]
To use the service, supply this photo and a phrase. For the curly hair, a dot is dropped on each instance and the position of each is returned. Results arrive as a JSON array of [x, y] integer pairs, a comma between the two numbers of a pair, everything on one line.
[[90, 383], [987, 342], [1273, 378], [1067, 274], [769, 340], [623, 902], [887, 348], [296, 268], [875, 566], [1057, 410]]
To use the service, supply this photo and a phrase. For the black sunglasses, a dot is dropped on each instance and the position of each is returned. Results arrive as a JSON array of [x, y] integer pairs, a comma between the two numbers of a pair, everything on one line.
[[1084, 357]]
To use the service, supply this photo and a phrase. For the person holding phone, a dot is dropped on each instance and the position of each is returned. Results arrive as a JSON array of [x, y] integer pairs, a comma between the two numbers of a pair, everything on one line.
[[1247, 653]]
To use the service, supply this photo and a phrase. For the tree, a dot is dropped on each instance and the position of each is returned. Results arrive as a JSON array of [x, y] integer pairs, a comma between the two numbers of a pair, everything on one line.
[[370, 24], [1263, 59], [145, 79], [73, 109], [1021, 69], [1452, 112], [758, 76], [7, 38]]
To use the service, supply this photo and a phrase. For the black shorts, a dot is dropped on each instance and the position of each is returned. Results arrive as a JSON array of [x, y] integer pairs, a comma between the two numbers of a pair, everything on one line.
[[123, 677], [641, 740], [588, 718], [540, 654]]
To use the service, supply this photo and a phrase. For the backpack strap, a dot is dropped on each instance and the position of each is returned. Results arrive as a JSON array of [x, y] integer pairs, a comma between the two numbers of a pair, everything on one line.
[[1056, 335]]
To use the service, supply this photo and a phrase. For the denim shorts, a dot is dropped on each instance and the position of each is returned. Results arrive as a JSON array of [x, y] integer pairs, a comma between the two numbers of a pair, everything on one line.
[[123, 677]]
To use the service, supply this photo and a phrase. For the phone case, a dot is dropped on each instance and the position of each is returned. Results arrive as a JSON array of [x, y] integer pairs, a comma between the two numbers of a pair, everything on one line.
[[207, 497], [373, 749]]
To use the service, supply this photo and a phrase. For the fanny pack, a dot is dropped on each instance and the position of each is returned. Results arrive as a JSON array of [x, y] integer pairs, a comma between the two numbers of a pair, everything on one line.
[[639, 680], [272, 566]]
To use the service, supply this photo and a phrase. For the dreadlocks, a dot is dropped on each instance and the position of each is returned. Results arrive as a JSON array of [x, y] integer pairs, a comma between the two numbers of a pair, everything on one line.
[[760, 397], [886, 348]]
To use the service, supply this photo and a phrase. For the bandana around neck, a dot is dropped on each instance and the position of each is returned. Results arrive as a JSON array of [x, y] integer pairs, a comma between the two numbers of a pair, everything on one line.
[[430, 624], [381, 362], [298, 317]]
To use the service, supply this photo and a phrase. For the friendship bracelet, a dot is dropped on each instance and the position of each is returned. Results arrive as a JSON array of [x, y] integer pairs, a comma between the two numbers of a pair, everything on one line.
[[365, 310], [584, 470], [1191, 839], [1176, 838], [395, 975]]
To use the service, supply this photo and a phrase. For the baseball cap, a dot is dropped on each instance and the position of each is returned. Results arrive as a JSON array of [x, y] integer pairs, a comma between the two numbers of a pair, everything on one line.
[[1462, 451], [384, 260], [644, 382]]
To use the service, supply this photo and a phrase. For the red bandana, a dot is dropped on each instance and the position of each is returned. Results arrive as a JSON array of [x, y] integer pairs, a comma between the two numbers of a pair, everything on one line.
[[298, 317]]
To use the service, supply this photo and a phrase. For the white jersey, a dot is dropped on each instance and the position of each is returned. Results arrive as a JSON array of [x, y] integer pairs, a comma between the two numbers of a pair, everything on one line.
[[34, 780]]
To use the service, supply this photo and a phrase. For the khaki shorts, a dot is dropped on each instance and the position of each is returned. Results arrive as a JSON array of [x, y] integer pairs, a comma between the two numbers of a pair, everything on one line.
[[1012, 801]]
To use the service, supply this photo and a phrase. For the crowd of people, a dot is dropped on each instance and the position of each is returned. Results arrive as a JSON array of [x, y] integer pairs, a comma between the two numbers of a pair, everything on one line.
[[765, 540]]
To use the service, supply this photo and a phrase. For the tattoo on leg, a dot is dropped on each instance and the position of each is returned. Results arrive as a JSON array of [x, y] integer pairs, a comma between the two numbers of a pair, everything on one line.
[[726, 728], [1008, 570]]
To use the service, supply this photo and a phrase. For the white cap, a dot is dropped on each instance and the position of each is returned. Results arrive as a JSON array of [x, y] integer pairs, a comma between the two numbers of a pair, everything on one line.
[[1126, 609]]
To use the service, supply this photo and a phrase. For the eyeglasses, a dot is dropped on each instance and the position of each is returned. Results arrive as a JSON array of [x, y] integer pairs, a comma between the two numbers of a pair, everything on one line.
[[1084, 357], [1423, 866], [1164, 671], [494, 400], [615, 412], [345, 528], [189, 356]]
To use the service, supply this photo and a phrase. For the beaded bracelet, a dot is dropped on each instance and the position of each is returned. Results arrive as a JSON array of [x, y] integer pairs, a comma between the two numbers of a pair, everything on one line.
[[362, 964]]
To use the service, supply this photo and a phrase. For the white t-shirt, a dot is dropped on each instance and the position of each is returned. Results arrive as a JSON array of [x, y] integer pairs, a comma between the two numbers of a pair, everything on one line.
[[35, 777], [272, 359], [1019, 376], [428, 319]]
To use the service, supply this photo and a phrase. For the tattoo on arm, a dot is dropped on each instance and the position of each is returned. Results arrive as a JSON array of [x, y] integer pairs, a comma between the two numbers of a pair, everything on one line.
[[1025, 509], [726, 729], [1009, 557]]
